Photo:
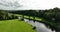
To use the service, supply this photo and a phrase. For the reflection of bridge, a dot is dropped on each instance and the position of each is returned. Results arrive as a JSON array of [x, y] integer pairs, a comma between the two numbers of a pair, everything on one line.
[[52, 25]]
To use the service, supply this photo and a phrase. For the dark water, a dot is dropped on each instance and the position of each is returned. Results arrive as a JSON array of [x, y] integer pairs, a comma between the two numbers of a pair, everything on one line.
[[40, 27]]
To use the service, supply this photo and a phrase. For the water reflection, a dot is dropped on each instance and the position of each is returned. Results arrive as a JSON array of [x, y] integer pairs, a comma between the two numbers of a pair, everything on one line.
[[40, 27]]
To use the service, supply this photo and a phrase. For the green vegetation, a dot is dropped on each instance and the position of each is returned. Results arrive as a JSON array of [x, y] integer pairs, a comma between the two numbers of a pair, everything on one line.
[[48, 16], [5, 15], [15, 26]]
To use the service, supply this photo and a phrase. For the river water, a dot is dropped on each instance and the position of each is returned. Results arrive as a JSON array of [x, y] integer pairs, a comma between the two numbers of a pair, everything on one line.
[[40, 27]]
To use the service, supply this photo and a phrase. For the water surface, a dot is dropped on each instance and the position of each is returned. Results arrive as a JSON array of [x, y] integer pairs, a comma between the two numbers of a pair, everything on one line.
[[40, 27]]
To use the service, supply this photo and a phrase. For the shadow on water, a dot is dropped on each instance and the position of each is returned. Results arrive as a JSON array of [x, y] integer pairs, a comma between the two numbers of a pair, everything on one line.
[[39, 27]]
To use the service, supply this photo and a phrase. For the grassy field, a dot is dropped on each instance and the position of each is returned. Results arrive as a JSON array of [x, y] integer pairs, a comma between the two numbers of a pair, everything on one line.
[[31, 17], [15, 26]]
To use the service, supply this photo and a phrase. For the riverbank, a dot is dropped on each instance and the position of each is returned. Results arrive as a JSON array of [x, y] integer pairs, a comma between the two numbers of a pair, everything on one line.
[[52, 24]]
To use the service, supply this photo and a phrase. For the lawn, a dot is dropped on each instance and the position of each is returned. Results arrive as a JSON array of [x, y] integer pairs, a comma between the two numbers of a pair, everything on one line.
[[15, 26]]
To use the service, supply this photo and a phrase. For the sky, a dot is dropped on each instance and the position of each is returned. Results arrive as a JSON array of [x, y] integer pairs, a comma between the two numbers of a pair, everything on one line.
[[29, 4]]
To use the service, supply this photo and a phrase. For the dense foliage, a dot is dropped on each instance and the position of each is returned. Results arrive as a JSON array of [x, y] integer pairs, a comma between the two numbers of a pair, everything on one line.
[[51, 14], [5, 15]]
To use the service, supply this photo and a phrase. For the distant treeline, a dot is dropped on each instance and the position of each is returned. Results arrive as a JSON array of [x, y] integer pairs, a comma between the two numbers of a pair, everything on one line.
[[4, 15], [51, 14]]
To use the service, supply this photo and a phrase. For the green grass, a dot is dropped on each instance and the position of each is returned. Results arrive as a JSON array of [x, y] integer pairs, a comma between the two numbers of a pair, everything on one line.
[[31, 17], [15, 26]]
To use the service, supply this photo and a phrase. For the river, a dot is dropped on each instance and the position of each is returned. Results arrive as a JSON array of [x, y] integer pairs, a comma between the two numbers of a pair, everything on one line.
[[40, 27]]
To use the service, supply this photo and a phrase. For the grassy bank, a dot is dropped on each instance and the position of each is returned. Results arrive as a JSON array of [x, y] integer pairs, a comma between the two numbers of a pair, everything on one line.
[[15, 26], [31, 17]]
